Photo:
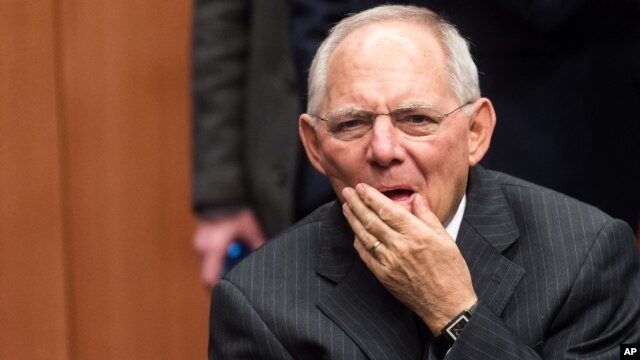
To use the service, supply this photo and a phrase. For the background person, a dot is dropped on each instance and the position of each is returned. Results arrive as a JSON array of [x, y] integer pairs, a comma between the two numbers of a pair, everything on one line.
[[250, 178]]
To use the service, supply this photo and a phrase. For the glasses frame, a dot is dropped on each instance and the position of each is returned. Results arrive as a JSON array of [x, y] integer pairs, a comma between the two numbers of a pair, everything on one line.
[[393, 119]]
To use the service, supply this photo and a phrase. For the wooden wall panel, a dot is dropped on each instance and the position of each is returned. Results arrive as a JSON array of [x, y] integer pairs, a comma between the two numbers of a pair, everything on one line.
[[135, 286], [32, 285]]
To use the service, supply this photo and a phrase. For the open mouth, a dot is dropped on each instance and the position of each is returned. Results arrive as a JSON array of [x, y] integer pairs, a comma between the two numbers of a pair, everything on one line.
[[398, 194]]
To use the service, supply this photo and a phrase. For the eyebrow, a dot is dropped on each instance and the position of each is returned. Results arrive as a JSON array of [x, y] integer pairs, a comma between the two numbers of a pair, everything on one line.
[[412, 106], [348, 111], [339, 112]]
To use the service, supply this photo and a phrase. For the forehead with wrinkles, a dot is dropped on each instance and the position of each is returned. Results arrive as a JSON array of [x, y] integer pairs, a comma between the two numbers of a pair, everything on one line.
[[389, 51]]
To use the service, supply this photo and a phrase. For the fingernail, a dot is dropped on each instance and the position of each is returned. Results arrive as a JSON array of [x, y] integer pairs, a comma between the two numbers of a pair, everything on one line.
[[360, 189], [346, 192]]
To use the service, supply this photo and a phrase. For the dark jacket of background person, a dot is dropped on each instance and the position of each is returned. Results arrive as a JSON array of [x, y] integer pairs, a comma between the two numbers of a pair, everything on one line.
[[245, 109]]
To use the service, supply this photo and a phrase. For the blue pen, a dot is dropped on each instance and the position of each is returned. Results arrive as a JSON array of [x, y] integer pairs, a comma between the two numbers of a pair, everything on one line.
[[235, 253]]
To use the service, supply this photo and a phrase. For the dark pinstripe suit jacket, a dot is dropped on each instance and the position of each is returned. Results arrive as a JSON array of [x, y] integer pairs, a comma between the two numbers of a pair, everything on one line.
[[556, 279]]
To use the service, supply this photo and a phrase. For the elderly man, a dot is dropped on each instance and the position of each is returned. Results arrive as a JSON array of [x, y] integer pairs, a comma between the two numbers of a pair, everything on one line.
[[426, 254]]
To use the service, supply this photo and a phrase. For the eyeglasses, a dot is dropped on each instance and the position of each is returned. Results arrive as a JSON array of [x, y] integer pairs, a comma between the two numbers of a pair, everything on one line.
[[413, 121]]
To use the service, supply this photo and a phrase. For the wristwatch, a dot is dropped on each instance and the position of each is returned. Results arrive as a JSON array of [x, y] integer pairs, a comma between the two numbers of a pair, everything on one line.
[[450, 333]]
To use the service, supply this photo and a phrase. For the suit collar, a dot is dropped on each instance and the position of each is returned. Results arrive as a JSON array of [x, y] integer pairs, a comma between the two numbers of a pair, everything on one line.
[[488, 211], [337, 255], [487, 231]]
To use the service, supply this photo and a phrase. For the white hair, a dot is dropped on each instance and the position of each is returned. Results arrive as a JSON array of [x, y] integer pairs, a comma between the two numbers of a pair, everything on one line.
[[463, 74]]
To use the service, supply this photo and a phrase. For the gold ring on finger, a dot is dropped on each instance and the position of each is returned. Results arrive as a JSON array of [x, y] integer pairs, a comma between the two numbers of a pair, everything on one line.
[[375, 246]]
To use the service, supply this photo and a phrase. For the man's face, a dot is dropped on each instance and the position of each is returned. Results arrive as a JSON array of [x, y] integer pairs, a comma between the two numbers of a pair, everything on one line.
[[381, 68]]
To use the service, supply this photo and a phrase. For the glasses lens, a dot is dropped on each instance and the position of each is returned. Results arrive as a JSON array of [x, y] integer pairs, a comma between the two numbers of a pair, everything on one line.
[[416, 123], [349, 127]]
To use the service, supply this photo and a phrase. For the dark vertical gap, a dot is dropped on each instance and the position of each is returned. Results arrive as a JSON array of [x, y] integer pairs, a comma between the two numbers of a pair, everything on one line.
[[62, 117]]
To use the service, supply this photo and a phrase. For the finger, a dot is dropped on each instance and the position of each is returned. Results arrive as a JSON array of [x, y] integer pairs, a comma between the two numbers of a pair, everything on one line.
[[375, 247], [422, 210], [249, 229], [365, 216], [211, 242], [211, 235], [253, 236], [199, 237], [362, 235], [211, 266], [367, 257], [371, 250], [378, 202], [255, 240], [392, 214]]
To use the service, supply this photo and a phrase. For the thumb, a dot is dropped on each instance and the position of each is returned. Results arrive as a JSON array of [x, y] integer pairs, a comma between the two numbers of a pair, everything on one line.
[[211, 267], [422, 209], [252, 232], [254, 238]]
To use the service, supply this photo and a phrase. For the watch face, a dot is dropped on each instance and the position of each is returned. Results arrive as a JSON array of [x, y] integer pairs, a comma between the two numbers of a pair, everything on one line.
[[456, 327]]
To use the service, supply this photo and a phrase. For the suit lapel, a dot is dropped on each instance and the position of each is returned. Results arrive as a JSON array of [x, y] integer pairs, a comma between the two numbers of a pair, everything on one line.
[[381, 326], [372, 317], [487, 230]]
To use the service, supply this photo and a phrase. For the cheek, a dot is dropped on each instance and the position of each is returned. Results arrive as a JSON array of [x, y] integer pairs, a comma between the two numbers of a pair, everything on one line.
[[444, 166], [341, 163], [442, 156], [454, 151]]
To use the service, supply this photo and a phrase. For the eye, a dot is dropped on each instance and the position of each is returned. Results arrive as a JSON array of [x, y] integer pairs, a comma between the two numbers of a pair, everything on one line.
[[417, 124], [350, 124], [416, 119]]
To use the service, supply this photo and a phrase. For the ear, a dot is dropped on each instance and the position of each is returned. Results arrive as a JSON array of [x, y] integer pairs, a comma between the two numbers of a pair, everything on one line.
[[481, 124], [310, 141]]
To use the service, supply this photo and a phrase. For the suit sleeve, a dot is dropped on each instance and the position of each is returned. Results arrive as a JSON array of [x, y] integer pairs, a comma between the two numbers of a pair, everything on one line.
[[237, 331], [219, 52], [601, 312]]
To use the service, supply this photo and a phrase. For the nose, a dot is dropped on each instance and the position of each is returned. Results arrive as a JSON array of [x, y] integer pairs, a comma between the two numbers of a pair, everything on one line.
[[385, 147]]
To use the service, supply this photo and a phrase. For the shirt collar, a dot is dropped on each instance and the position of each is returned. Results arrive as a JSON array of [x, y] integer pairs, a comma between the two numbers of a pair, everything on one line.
[[454, 225]]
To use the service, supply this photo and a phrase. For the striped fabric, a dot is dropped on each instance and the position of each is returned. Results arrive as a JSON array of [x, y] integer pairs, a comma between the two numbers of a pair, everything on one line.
[[556, 279]]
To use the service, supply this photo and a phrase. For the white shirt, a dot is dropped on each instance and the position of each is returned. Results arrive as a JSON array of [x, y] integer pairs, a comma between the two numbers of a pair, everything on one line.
[[454, 225]]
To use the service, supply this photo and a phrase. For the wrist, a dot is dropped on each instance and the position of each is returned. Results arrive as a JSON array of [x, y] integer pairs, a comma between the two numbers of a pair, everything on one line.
[[437, 321], [452, 330]]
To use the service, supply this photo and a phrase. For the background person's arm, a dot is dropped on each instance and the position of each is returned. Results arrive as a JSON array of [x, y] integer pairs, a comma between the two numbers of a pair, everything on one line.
[[219, 53]]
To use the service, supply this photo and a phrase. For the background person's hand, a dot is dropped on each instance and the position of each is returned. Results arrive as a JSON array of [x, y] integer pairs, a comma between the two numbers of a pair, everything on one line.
[[417, 260], [214, 235]]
